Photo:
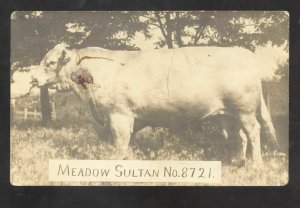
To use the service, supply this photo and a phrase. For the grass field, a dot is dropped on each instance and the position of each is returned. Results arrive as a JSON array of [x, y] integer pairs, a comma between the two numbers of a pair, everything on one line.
[[32, 146]]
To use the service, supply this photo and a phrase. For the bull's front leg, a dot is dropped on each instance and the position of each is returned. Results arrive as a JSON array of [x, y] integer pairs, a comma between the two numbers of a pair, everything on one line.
[[121, 125], [240, 146]]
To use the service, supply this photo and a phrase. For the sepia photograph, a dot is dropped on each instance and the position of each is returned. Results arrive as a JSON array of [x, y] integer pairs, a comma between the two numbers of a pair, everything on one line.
[[149, 98]]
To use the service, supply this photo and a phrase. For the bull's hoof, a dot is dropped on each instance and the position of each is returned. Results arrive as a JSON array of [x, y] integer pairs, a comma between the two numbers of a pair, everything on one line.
[[124, 154], [125, 158], [238, 163], [255, 163]]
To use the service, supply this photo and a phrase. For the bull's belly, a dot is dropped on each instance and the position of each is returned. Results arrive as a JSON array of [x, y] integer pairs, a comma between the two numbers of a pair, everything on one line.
[[177, 117]]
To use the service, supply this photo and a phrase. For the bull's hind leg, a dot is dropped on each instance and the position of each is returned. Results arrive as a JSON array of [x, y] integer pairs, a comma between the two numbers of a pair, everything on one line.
[[242, 148], [237, 140], [251, 128], [121, 128]]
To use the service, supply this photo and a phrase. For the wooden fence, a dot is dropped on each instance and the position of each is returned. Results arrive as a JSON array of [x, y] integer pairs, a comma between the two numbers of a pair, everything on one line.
[[26, 114]]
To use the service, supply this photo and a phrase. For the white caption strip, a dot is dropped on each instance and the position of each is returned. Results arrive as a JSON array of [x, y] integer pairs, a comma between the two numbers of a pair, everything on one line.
[[135, 171]]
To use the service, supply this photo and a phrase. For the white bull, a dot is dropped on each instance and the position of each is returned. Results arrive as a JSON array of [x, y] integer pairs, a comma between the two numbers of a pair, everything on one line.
[[156, 86]]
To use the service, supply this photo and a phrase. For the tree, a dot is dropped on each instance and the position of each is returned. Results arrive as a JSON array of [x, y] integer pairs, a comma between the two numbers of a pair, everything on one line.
[[35, 33], [215, 28]]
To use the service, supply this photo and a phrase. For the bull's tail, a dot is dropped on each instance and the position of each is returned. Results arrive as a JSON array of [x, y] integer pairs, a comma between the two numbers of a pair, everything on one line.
[[266, 123]]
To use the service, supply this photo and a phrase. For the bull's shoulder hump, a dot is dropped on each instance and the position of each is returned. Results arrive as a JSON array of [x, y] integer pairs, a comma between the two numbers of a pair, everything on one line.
[[93, 49], [102, 50], [99, 49], [116, 55]]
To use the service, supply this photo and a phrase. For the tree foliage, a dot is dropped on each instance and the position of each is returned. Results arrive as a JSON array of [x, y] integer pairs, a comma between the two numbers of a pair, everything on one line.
[[34, 33], [246, 29]]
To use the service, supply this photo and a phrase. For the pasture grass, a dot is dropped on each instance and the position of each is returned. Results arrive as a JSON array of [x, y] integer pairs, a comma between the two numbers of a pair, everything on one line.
[[33, 145]]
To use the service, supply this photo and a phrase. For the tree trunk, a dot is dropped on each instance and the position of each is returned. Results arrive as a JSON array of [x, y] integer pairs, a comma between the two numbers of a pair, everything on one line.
[[167, 34], [45, 105], [169, 31], [199, 34], [178, 34]]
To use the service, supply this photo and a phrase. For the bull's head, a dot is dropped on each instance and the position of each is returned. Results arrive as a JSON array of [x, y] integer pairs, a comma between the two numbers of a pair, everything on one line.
[[55, 66]]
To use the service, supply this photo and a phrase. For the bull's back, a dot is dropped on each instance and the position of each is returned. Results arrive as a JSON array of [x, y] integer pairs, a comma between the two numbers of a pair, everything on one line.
[[190, 73]]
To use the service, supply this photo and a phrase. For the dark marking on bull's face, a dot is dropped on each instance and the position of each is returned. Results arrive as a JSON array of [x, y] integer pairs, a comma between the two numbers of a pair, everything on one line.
[[82, 77], [52, 64]]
